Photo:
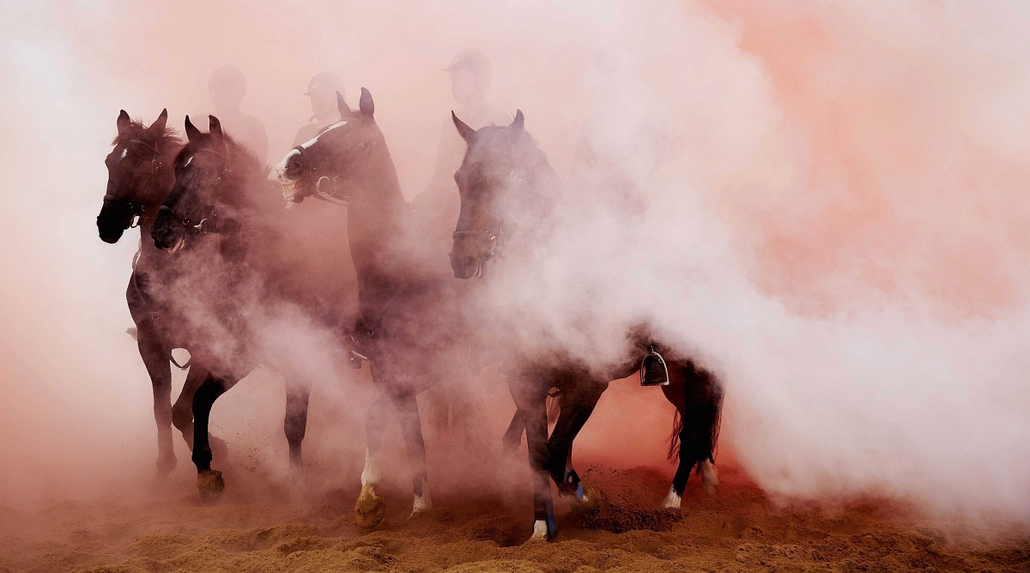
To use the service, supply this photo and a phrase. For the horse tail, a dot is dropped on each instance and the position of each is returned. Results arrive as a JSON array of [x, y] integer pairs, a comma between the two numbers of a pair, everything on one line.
[[674, 438], [698, 418]]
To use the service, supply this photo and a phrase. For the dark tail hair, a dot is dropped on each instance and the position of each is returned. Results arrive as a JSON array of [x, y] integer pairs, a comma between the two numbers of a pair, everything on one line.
[[701, 413]]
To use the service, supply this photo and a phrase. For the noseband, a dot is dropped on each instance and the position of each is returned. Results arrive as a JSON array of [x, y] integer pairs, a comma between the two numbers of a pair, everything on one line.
[[495, 238], [131, 203]]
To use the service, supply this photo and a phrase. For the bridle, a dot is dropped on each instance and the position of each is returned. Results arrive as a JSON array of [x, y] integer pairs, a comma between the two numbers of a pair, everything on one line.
[[132, 204], [208, 224], [333, 182], [494, 237]]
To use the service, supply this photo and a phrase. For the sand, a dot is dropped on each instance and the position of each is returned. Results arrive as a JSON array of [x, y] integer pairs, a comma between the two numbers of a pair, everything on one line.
[[264, 527]]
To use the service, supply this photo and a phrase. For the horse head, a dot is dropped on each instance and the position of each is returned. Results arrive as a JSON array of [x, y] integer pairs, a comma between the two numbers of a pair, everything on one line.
[[329, 165], [486, 178], [138, 174], [211, 173]]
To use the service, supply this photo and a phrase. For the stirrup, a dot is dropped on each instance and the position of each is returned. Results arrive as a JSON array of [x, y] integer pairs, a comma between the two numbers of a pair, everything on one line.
[[653, 370]]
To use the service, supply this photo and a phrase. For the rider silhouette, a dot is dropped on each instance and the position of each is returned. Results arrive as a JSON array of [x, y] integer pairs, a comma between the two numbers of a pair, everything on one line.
[[471, 75], [227, 87], [324, 109]]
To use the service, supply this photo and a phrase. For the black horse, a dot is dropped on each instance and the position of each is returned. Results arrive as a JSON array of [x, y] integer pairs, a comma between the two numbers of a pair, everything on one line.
[[508, 195], [139, 178], [410, 325], [218, 215]]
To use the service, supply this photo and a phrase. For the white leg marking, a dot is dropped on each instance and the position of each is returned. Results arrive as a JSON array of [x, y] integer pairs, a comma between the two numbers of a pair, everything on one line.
[[539, 531], [673, 500], [709, 477], [370, 475], [423, 504]]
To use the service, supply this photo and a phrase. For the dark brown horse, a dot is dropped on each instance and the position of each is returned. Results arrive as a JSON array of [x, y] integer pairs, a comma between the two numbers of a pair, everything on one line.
[[218, 215], [410, 325], [139, 178], [508, 196]]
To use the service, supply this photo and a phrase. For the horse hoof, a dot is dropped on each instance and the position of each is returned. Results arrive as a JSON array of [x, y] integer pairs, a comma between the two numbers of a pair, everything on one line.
[[591, 498], [673, 500], [421, 506], [541, 532], [370, 509], [210, 484]]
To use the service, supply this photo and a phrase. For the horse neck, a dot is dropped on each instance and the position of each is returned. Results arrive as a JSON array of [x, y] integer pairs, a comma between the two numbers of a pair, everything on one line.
[[376, 216], [537, 195]]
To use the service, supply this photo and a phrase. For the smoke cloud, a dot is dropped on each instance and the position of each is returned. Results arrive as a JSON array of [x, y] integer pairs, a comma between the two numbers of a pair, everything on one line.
[[827, 207]]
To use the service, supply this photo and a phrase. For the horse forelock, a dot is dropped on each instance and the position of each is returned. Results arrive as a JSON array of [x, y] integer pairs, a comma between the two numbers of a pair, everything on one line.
[[137, 130]]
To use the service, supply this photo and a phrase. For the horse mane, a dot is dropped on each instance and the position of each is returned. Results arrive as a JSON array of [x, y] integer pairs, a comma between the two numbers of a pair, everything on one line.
[[241, 159]]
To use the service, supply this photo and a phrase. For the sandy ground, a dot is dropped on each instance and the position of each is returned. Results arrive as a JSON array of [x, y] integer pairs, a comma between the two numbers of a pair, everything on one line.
[[261, 526]]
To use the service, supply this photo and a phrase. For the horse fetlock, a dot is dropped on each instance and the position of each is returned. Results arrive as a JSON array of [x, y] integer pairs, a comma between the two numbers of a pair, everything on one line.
[[166, 462], [210, 484], [370, 509], [422, 505], [673, 500], [709, 477]]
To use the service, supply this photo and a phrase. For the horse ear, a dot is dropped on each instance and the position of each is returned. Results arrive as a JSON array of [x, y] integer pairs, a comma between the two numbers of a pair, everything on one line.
[[192, 133], [345, 110], [215, 127], [366, 105], [518, 124], [123, 122], [464, 130], [159, 124]]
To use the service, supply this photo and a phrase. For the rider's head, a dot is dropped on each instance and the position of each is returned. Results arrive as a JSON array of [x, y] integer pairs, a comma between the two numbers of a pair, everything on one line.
[[322, 90], [227, 88], [471, 74]]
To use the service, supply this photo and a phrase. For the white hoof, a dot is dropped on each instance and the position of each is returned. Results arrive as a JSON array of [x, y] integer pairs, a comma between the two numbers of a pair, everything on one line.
[[539, 531], [422, 504], [673, 500], [709, 477]]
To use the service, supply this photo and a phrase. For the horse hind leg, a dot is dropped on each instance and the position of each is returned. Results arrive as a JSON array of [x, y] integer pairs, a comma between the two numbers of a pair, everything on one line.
[[296, 421], [182, 410], [155, 358], [209, 482], [414, 443]]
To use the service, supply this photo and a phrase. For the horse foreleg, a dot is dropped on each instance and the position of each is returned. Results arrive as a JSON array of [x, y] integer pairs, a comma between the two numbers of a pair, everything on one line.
[[513, 435], [415, 445], [576, 408], [155, 358], [530, 395], [298, 391], [370, 510], [182, 410], [209, 481]]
